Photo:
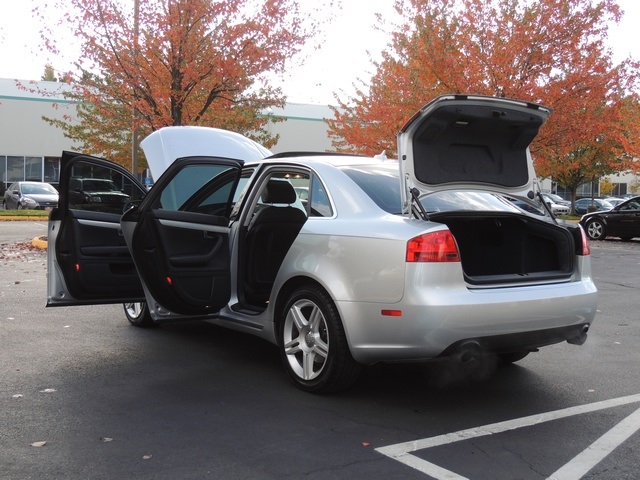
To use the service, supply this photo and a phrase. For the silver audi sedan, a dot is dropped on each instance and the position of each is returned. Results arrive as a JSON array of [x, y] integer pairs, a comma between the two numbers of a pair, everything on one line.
[[341, 261]]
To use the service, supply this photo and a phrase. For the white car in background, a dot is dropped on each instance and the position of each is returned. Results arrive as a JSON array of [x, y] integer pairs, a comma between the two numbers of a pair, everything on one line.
[[557, 204], [383, 261]]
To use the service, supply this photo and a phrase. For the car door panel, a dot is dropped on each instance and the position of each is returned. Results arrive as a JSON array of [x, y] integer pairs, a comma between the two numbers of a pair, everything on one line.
[[623, 220], [183, 255], [95, 259], [184, 265], [89, 261], [634, 225]]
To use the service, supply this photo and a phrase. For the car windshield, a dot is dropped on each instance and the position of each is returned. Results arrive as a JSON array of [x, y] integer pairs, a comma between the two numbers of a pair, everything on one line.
[[38, 189]]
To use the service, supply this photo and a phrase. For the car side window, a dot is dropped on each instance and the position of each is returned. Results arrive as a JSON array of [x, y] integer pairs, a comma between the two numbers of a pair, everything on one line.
[[99, 188], [634, 205], [320, 205], [200, 188], [298, 182]]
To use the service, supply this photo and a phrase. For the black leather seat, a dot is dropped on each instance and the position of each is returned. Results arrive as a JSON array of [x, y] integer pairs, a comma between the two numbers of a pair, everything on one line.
[[269, 236]]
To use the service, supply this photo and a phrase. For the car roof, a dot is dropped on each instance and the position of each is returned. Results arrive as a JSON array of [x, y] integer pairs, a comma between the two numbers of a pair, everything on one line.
[[326, 158]]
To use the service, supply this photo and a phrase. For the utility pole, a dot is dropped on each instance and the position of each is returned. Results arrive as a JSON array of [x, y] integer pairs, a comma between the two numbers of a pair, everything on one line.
[[134, 140]]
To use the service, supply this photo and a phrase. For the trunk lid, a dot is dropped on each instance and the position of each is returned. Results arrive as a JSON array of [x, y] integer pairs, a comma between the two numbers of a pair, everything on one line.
[[470, 142]]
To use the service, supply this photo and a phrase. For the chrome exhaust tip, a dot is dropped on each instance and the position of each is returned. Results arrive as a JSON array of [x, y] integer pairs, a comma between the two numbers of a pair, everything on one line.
[[467, 352], [581, 338]]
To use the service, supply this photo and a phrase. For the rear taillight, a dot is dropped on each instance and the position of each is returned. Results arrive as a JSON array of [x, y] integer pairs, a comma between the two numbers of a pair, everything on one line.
[[586, 250], [433, 247]]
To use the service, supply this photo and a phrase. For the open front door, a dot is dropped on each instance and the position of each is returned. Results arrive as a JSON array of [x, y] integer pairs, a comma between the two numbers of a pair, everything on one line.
[[179, 235], [88, 259]]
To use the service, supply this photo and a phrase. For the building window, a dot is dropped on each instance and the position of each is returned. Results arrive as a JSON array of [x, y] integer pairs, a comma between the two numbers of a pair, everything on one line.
[[3, 172], [52, 169], [33, 169], [619, 189], [15, 169]]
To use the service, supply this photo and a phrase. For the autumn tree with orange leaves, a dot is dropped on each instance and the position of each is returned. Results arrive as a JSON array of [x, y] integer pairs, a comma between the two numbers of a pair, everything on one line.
[[548, 51], [188, 62]]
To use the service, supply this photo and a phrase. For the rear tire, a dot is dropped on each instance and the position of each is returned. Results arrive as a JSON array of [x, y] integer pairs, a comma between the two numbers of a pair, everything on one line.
[[138, 314], [313, 344], [512, 357], [596, 229]]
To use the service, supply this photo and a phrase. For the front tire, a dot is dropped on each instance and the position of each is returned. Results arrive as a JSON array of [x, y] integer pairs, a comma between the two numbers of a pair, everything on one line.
[[313, 344], [596, 229], [138, 314]]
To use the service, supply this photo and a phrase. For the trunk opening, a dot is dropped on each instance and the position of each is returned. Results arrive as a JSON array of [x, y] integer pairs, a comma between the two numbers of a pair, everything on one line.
[[510, 249]]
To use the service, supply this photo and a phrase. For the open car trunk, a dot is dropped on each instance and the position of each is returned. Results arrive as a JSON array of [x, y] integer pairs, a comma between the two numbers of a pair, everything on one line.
[[504, 249]]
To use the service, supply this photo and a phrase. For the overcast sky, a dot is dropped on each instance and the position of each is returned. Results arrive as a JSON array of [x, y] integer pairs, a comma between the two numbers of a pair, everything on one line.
[[333, 69]]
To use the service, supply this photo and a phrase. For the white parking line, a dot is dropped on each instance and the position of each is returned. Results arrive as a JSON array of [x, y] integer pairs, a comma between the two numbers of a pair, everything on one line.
[[402, 451], [598, 450]]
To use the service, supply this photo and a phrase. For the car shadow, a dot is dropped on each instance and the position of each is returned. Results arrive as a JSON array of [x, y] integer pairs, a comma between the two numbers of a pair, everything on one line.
[[237, 358]]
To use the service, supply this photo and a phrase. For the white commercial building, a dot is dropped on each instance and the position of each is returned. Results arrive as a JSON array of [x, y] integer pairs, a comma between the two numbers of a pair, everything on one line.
[[30, 147]]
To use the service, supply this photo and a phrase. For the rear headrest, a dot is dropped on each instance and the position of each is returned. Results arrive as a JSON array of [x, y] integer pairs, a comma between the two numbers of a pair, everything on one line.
[[279, 191]]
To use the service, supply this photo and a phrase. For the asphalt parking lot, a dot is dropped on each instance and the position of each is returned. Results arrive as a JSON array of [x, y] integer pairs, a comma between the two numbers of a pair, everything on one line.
[[83, 395]]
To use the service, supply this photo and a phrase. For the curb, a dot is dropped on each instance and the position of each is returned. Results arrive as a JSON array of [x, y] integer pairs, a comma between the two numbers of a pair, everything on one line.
[[14, 218], [40, 242]]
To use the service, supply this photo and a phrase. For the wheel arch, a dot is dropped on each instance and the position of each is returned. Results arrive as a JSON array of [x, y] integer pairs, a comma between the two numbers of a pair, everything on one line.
[[291, 285], [598, 217], [285, 292]]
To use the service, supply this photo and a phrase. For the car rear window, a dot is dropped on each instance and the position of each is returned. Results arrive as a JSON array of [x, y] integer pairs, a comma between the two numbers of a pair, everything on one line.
[[380, 182]]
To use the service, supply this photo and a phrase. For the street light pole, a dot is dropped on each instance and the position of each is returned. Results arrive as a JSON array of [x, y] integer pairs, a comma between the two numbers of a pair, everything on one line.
[[134, 139]]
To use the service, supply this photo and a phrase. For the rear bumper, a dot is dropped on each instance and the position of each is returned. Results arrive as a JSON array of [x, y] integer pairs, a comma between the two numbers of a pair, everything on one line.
[[436, 321], [524, 341]]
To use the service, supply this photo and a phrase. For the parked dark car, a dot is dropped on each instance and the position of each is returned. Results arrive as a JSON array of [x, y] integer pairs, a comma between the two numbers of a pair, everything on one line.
[[582, 205], [98, 194], [621, 221], [31, 196]]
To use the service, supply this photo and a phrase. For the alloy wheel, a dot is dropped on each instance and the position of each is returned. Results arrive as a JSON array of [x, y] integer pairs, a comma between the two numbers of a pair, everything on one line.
[[596, 229], [138, 314], [306, 341], [313, 343]]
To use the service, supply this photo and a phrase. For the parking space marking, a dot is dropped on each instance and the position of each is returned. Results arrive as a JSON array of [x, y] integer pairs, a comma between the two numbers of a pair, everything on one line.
[[598, 450], [402, 451]]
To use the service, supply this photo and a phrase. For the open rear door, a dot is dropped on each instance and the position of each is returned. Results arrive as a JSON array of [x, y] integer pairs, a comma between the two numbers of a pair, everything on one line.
[[88, 259], [179, 235]]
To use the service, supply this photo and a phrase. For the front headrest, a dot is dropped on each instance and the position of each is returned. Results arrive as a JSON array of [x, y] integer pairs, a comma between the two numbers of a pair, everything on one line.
[[279, 191]]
